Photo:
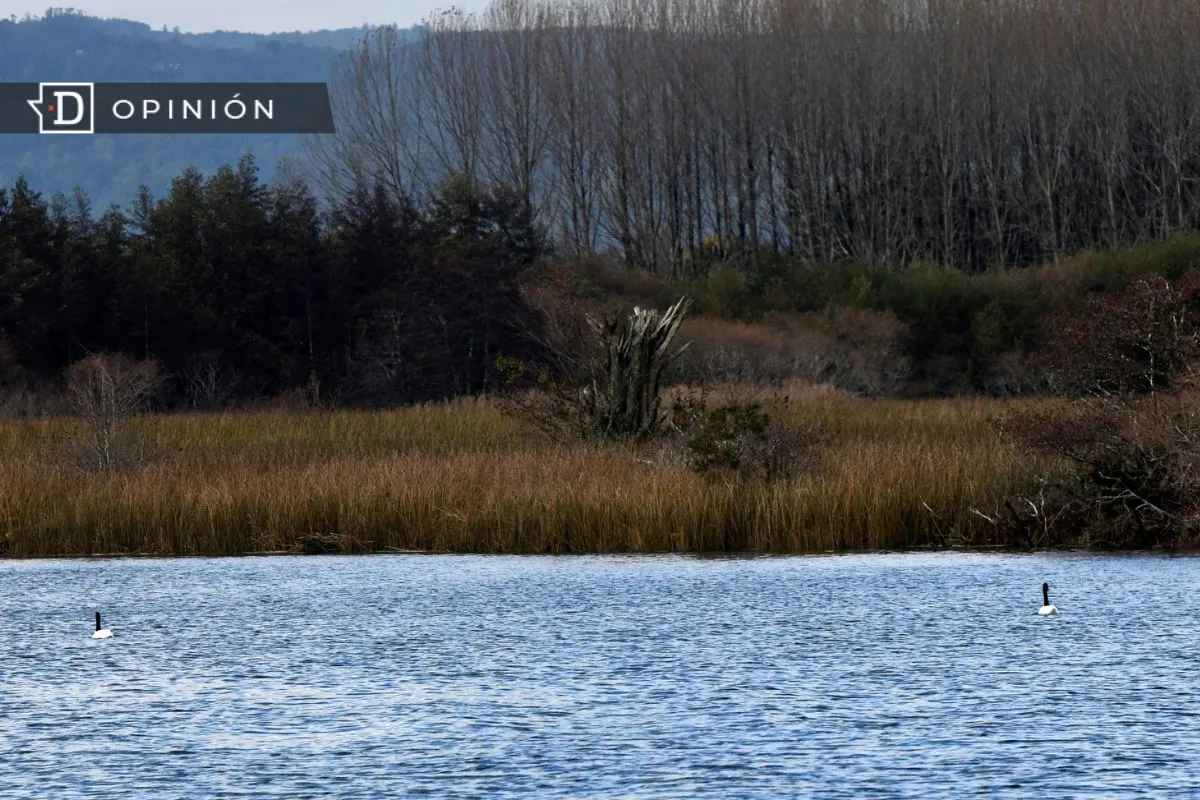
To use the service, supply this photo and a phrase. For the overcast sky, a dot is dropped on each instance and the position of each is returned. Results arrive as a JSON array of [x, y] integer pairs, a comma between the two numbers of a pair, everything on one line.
[[259, 16]]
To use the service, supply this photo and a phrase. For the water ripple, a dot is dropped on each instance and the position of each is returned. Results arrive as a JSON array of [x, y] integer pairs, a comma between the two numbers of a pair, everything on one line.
[[857, 676]]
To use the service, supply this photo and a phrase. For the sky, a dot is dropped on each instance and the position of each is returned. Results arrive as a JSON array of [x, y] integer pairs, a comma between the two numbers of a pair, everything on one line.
[[255, 16]]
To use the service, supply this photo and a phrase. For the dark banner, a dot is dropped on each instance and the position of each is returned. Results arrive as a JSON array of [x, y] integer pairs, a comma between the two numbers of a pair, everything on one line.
[[83, 108]]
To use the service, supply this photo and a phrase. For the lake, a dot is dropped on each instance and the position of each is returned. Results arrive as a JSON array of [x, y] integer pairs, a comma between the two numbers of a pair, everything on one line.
[[488, 676]]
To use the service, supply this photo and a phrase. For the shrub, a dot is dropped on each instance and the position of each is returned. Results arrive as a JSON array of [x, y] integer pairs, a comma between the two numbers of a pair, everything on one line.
[[727, 293], [105, 389], [1134, 481], [610, 387], [744, 441], [209, 384], [854, 349], [1133, 341]]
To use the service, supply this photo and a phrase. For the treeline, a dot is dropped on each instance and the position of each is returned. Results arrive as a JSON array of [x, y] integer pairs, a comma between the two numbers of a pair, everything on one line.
[[241, 289], [684, 133]]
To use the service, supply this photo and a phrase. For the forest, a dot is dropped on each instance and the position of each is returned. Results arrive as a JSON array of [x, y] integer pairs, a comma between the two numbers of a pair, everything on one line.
[[972, 135], [242, 290], [251, 285]]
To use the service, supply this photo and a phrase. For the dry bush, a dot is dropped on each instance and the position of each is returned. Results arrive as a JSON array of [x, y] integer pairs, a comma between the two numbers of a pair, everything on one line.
[[32, 400], [104, 390], [853, 349], [551, 406], [724, 351], [1134, 482], [561, 302], [1132, 341], [314, 543], [1047, 516], [209, 384], [1012, 374], [308, 397], [1134, 439], [870, 358]]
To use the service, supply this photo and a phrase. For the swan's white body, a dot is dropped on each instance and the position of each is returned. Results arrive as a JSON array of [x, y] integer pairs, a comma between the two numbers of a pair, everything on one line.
[[1047, 610], [100, 633]]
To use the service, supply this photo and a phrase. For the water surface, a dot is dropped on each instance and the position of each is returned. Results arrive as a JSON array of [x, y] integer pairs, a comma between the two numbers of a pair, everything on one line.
[[840, 676]]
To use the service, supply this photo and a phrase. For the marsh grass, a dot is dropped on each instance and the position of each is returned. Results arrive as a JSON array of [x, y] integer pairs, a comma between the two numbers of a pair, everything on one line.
[[462, 477]]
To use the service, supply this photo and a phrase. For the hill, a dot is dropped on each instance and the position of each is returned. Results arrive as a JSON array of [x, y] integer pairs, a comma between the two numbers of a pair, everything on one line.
[[66, 45]]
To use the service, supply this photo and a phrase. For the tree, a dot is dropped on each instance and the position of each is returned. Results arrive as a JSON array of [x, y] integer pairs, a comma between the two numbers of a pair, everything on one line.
[[1131, 342], [622, 399], [105, 389]]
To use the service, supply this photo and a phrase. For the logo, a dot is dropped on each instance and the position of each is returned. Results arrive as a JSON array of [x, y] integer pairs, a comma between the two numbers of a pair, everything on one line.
[[65, 108], [168, 108]]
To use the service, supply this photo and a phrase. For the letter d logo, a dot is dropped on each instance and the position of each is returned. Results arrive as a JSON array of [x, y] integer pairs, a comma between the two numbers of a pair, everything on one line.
[[65, 107]]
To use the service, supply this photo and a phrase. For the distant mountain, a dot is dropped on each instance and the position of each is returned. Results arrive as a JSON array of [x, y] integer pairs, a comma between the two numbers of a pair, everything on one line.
[[339, 39], [70, 46]]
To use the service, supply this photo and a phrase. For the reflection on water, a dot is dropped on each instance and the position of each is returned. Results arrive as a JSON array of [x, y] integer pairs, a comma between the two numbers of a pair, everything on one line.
[[912, 675]]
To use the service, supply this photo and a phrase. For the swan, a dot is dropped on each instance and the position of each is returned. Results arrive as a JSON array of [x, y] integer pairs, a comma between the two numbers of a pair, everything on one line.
[[104, 633], [1046, 610]]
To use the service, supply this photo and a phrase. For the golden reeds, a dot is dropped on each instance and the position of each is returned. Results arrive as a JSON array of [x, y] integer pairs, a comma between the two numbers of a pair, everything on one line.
[[462, 477]]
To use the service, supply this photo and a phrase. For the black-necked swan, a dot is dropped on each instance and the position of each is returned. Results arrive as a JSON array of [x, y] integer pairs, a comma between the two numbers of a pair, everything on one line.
[[1046, 610], [101, 633]]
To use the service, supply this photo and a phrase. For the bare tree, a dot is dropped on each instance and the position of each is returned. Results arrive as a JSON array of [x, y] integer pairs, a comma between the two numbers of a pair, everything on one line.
[[971, 134], [208, 383], [376, 117], [105, 389]]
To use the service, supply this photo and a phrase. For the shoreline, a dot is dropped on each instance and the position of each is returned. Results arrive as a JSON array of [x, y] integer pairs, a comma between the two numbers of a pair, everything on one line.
[[1170, 552]]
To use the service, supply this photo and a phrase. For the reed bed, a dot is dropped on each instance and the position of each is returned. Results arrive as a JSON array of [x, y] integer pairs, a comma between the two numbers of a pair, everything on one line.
[[462, 477]]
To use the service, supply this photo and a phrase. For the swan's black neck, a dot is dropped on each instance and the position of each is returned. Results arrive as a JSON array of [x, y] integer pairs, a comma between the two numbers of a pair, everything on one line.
[[97, 620], [1045, 597]]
